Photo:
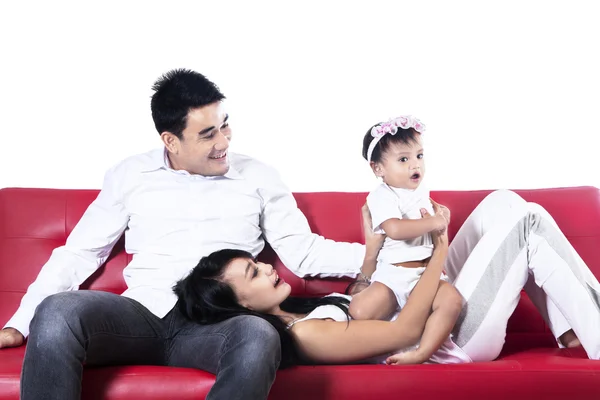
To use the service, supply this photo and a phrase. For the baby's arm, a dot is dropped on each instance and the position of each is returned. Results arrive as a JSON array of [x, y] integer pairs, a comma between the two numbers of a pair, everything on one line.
[[447, 306], [403, 229], [388, 215]]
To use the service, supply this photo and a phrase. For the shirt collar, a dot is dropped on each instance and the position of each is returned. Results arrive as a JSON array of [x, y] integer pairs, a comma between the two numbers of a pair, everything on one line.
[[159, 160]]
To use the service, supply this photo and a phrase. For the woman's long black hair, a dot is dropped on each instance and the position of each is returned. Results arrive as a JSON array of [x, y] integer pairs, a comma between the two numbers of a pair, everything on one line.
[[204, 298]]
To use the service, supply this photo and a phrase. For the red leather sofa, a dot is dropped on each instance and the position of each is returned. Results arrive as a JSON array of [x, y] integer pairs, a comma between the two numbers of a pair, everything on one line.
[[35, 221]]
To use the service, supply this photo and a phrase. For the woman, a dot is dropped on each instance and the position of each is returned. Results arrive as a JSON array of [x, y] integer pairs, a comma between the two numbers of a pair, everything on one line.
[[503, 243]]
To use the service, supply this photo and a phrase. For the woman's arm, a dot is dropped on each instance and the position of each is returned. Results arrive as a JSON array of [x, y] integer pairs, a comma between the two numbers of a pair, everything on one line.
[[340, 342]]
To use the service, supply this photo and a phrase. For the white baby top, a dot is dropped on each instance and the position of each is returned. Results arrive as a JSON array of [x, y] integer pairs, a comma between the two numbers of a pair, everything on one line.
[[387, 202]]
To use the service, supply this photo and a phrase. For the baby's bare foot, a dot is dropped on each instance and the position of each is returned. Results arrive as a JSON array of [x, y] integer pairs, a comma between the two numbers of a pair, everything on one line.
[[404, 358]]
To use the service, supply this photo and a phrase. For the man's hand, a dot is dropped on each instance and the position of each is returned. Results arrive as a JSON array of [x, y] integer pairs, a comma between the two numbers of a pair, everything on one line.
[[10, 337], [373, 241]]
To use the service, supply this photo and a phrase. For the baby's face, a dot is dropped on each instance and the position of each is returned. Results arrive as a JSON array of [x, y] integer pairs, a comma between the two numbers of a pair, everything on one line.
[[402, 165]]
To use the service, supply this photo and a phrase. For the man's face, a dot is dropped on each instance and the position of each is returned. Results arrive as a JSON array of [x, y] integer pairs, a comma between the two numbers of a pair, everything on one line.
[[203, 149]]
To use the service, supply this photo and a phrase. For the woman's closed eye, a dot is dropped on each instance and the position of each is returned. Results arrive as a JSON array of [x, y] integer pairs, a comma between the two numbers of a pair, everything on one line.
[[255, 273]]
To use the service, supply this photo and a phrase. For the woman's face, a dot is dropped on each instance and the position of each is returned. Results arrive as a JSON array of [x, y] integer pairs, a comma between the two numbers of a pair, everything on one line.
[[256, 285]]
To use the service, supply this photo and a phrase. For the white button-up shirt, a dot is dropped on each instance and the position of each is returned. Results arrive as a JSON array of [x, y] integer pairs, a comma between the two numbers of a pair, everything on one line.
[[172, 218]]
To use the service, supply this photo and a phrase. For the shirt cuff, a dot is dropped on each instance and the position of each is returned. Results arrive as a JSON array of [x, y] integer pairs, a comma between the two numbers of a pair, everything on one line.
[[20, 321]]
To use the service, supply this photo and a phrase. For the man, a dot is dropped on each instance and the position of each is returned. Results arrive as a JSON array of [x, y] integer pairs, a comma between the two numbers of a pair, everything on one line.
[[175, 205]]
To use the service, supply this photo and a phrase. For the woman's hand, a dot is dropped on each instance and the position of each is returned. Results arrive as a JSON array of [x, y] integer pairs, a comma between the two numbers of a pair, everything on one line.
[[441, 217], [441, 210], [439, 237]]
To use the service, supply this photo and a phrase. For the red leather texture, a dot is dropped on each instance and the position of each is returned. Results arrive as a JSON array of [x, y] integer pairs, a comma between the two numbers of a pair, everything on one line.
[[35, 221]]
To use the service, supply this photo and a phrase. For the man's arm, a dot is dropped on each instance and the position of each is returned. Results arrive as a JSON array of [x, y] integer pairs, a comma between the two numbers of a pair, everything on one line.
[[86, 249], [304, 253], [373, 243]]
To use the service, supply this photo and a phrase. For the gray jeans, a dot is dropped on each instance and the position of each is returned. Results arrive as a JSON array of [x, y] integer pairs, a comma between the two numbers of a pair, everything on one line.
[[101, 329]]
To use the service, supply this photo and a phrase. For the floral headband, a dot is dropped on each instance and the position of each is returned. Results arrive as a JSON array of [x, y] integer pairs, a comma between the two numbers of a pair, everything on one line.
[[391, 127]]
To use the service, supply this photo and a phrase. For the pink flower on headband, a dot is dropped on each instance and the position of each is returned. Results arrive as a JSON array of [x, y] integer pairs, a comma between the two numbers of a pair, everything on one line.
[[387, 127], [391, 126], [403, 122]]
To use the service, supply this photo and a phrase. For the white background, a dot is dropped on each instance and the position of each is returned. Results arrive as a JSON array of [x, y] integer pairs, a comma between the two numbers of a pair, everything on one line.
[[509, 90]]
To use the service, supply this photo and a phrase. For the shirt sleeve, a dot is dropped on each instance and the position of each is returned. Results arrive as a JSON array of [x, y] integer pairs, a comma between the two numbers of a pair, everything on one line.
[[86, 249], [383, 206], [304, 253]]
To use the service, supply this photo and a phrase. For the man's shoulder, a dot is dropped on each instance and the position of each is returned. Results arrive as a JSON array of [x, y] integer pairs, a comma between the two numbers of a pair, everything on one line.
[[127, 172], [141, 162], [251, 168]]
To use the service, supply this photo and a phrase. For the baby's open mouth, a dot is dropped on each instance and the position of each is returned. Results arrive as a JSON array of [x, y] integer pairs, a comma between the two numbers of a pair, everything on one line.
[[416, 175]]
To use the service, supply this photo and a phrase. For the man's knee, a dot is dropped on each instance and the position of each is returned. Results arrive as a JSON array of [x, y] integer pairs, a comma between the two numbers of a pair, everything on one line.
[[54, 307], [255, 339], [55, 316], [250, 360]]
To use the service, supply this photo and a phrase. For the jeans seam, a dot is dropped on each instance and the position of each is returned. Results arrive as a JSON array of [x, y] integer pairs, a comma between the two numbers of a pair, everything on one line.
[[121, 335], [169, 338], [143, 311], [223, 336], [224, 350], [89, 338]]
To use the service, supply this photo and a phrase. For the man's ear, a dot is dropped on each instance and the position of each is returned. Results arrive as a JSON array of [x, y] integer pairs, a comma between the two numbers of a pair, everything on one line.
[[171, 142], [377, 169]]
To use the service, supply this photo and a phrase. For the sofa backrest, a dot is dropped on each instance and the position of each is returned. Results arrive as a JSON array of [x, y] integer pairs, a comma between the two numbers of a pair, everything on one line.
[[35, 221]]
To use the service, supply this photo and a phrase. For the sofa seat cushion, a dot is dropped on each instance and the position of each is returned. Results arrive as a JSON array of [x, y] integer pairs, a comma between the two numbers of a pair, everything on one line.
[[537, 373]]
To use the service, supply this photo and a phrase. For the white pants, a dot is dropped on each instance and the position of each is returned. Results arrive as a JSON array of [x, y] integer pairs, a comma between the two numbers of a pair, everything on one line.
[[508, 244], [399, 279]]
